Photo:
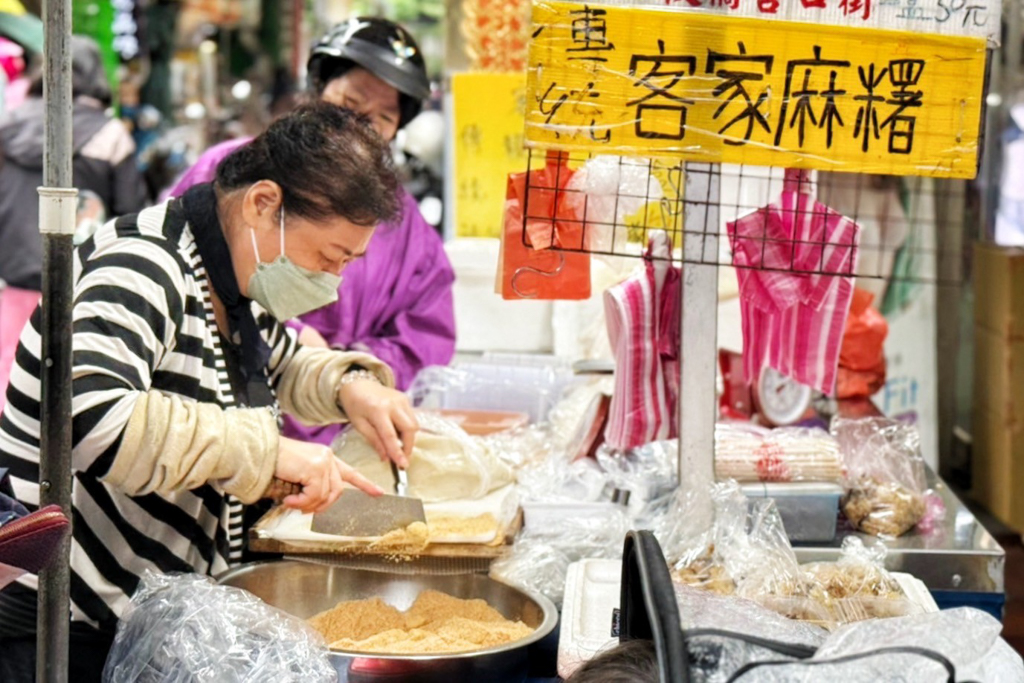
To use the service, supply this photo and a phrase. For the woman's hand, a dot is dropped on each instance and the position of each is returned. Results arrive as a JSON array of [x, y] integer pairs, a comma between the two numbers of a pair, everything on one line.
[[382, 415], [321, 475]]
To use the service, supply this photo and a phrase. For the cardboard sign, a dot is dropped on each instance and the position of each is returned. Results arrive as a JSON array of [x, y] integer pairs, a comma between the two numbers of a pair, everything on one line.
[[721, 89], [488, 126]]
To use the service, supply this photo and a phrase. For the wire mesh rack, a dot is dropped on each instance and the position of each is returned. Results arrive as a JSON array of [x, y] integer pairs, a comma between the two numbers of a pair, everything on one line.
[[770, 219]]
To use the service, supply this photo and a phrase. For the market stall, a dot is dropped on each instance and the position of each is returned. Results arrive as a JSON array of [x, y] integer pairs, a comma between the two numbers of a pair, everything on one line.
[[755, 504]]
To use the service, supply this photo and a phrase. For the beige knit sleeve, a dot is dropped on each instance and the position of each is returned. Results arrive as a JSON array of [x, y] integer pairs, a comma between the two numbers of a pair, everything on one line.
[[170, 445], [308, 390]]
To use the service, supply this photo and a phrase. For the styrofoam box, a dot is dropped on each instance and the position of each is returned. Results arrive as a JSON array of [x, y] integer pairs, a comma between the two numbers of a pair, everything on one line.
[[592, 592], [808, 510], [483, 320]]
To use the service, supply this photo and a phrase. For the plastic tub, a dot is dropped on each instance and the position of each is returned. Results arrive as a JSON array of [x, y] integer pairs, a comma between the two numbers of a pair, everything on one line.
[[809, 511]]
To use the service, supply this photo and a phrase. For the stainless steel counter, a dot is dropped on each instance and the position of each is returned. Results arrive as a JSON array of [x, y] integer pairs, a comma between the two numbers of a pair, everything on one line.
[[957, 554]]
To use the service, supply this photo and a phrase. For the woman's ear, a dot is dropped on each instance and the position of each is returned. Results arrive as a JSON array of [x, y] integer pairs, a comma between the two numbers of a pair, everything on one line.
[[261, 204]]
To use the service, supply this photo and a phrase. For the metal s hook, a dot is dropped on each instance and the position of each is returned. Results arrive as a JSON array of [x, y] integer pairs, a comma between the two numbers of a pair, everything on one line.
[[536, 271]]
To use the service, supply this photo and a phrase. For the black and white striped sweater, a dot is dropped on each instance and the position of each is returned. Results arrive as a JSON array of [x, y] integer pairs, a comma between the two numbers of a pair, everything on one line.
[[143, 320]]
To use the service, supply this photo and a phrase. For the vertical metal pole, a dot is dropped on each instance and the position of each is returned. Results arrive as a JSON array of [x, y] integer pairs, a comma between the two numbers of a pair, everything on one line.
[[57, 224], [699, 320]]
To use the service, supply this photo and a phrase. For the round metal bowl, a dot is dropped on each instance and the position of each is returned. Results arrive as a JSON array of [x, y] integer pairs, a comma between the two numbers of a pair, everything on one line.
[[305, 589]]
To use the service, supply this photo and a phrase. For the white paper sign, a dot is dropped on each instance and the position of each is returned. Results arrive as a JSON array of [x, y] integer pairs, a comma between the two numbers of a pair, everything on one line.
[[977, 18]]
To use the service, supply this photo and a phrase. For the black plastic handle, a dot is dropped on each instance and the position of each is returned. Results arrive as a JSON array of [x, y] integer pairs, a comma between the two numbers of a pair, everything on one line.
[[647, 605]]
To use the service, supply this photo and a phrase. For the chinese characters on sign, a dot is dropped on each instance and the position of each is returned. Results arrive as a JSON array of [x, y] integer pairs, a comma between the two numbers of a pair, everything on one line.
[[488, 145], [975, 18], [733, 90]]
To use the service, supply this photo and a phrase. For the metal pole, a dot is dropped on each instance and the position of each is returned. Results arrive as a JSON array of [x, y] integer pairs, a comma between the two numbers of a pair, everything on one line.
[[699, 320], [57, 224]]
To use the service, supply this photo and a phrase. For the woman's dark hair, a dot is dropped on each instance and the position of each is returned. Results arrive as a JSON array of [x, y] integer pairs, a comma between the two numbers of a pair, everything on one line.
[[328, 162], [634, 661]]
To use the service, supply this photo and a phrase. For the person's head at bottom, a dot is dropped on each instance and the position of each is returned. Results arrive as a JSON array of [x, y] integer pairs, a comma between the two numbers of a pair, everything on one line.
[[301, 202], [372, 66], [633, 661]]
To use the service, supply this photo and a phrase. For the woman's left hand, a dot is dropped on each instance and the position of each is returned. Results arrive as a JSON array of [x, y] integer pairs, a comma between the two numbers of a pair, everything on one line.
[[382, 415]]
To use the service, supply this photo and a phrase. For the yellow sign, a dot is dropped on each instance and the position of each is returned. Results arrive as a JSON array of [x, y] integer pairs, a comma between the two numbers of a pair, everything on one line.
[[488, 118], [723, 89]]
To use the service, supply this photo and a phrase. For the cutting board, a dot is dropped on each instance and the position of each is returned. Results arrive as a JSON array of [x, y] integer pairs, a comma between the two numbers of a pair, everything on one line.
[[283, 530]]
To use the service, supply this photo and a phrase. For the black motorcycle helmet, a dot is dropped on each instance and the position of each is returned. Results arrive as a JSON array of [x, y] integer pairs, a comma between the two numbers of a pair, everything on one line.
[[383, 48]]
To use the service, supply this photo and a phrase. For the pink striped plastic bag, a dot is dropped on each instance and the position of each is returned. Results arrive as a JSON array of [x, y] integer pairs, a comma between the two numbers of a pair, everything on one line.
[[795, 260]]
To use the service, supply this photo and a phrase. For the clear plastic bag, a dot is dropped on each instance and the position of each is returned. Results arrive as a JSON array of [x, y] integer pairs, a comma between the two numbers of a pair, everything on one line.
[[857, 586], [700, 609], [650, 474], [727, 544], [446, 463], [725, 633], [686, 533], [556, 480], [885, 474], [748, 453], [880, 650], [540, 557], [605, 192], [183, 628]]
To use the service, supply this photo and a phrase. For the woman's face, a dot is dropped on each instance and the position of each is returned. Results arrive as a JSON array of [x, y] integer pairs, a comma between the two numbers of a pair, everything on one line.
[[359, 90], [324, 245]]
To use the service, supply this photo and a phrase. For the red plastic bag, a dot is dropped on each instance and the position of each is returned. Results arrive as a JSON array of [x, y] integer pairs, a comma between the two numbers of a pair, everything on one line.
[[533, 264], [862, 355]]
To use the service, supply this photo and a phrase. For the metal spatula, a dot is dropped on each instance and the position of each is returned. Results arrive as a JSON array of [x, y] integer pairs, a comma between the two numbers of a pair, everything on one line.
[[359, 514]]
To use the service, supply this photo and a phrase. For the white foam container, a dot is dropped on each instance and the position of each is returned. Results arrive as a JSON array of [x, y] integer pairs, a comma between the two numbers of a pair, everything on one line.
[[592, 590]]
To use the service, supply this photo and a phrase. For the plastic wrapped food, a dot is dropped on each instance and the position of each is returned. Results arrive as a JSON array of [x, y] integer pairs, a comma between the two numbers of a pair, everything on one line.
[[446, 463], [707, 573], [725, 543], [757, 552], [741, 548], [961, 644], [885, 475], [857, 586], [748, 453], [183, 628], [882, 508]]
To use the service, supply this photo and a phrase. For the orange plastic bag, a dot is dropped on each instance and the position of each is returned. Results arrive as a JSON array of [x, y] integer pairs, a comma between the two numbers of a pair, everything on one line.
[[533, 263], [862, 355]]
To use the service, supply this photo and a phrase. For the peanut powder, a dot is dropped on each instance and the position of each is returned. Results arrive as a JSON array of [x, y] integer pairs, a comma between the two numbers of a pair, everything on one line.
[[436, 623], [403, 543], [442, 526]]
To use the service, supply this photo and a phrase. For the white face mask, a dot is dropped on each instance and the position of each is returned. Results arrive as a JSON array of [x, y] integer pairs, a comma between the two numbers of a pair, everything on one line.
[[287, 290]]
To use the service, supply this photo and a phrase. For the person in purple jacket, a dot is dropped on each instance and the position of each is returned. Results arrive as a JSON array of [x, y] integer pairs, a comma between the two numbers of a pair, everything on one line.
[[396, 302]]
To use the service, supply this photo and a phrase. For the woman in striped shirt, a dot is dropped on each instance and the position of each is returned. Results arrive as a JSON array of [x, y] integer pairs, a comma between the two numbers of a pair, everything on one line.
[[180, 365]]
